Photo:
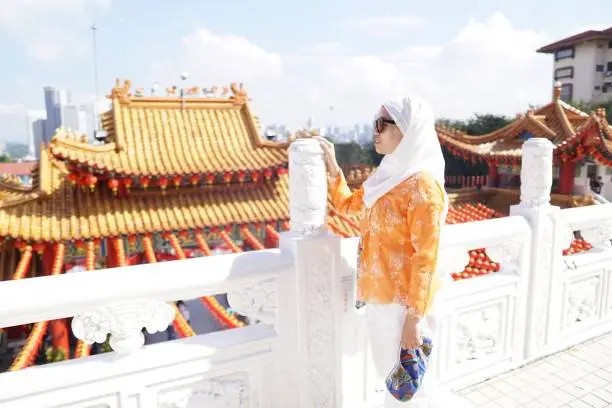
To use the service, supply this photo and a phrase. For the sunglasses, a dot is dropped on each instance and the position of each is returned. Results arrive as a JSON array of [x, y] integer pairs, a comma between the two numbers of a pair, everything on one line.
[[380, 123]]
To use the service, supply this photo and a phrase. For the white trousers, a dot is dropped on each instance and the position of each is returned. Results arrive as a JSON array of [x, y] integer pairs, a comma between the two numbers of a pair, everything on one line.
[[385, 323]]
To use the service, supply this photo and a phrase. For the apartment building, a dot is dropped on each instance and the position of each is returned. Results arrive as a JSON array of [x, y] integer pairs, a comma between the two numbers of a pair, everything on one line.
[[582, 63]]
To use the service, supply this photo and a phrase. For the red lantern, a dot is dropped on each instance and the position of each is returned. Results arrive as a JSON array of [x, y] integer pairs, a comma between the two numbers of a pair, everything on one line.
[[113, 184], [214, 230], [39, 247], [127, 182], [184, 234], [91, 181], [177, 180], [166, 235], [132, 239], [163, 182], [241, 176], [96, 242], [210, 178], [145, 181], [78, 244], [255, 176], [194, 179], [268, 174], [227, 176], [73, 178]]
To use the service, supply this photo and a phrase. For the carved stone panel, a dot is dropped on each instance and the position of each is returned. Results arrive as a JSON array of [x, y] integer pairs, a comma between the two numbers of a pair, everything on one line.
[[507, 254], [320, 327], [598, 235], [212, 393], [478, 334], [257, 302], [582, 300], [124, 321], [543, 271]]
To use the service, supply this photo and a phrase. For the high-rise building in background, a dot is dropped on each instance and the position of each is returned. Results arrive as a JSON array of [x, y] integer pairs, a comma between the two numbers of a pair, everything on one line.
[[61, 112], [35, 131], [55, 98], [74, 118]]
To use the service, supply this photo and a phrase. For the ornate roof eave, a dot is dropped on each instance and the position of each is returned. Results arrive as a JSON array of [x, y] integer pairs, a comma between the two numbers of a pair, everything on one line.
[[72, 149]]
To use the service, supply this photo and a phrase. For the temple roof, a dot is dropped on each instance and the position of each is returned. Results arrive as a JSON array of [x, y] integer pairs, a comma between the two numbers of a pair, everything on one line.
[[557, 121], [54, 210], [174, 135]]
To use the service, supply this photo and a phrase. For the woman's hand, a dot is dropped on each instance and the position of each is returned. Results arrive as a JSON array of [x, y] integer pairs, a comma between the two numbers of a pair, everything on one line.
[[330, 157], [411, 335]]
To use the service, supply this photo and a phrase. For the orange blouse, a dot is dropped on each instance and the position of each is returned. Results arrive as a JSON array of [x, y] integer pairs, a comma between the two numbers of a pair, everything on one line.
[[399, 241]]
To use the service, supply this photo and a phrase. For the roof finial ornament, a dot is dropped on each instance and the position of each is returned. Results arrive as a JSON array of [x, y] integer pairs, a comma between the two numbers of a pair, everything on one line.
[[557, 91], [238, 92], [154, 88]]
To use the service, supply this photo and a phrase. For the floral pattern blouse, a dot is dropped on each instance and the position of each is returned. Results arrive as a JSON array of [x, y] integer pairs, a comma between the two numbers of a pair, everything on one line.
[[399, 241]]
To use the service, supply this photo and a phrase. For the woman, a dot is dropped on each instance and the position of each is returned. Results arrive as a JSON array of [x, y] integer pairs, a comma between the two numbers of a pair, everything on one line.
[[403, 206]]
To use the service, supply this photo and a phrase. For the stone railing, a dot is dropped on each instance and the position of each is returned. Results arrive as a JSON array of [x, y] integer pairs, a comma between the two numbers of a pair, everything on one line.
[[309, 347]]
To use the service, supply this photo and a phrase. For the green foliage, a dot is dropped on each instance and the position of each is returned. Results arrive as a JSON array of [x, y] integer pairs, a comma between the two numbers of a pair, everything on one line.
[[590, 107], [479, 124], [54, 355], [5, 158], [16, 150], [353, 153]]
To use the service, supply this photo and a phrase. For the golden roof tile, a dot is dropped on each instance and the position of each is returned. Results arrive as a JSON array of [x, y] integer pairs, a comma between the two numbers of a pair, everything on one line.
[[157, 136]]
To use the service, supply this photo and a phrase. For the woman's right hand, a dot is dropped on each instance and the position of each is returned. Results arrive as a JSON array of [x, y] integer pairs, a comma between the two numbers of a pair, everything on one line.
[[330, 157]]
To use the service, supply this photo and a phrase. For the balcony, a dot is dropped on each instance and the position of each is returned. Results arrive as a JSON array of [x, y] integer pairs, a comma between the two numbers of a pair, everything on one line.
[[306, 344]]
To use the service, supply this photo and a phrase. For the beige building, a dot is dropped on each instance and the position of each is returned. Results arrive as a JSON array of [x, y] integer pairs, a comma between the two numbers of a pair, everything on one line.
[[583, 65]]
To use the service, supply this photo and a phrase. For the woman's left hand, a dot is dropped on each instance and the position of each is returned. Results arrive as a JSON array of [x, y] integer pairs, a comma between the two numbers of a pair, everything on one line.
[[411, 335]]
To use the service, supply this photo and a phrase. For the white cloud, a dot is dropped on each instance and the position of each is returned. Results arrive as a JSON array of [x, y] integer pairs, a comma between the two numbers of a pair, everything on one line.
[[12, 109], [490, 66], [385, 25], [49, 28]]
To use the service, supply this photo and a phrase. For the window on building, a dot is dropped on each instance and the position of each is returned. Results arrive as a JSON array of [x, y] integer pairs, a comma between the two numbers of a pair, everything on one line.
[[609, 66], [567, 91], [607, 87], [565, 72], [599, 68], [564, 53], [597, 87], [609, 44]]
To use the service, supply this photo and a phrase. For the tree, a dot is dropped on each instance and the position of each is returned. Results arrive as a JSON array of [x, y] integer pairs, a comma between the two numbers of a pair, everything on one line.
[[479, 124], [5, 158], [590, 107], [352, 153]]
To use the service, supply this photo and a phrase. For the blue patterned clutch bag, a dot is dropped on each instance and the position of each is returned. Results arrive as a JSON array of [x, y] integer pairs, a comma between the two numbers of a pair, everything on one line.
[[407, 376]]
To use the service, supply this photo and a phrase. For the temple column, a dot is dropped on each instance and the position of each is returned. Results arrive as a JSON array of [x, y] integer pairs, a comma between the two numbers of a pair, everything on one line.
[[566, 177], [492, 176]]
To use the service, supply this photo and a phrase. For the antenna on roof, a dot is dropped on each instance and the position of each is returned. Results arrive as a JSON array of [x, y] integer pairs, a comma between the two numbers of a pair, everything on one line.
[[97, 134], [184, 77]]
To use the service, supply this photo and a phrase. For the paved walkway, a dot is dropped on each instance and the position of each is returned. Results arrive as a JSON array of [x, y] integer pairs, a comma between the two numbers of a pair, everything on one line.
[[580, 377]]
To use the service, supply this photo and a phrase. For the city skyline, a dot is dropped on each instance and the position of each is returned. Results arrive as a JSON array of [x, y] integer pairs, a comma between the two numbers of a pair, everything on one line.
[[473, 57]]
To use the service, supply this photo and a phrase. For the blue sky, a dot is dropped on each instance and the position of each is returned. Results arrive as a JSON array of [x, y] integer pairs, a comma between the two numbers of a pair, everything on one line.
[[296, 58]]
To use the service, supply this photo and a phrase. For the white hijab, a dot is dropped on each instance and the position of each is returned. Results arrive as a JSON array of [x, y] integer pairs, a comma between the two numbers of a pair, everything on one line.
[[419, 150]]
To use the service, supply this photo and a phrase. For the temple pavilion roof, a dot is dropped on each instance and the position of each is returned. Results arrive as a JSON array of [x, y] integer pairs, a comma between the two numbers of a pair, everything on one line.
[[565, 126], [173, 135]]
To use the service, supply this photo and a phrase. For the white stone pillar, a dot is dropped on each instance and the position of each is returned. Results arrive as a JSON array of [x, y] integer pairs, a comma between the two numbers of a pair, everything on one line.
[[307, 187], [547, 242], [308, 325]]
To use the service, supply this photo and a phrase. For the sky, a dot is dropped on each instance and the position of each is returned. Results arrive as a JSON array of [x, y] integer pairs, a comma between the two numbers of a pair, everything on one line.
[[297, 59]]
